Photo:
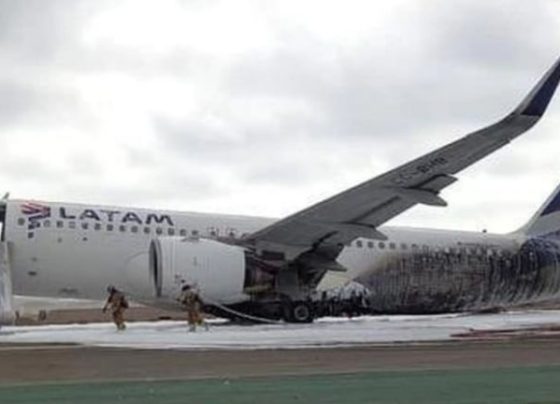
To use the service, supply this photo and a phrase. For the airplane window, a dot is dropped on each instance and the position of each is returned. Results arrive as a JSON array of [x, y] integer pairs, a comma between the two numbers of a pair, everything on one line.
[[194, 233], [21, 221], [30, 235], [85, 225], [146, 230], [183, 232], [381, 245], [370, 244], [392, 246], [134, 229], [36, 225], [122, 228], [415, 246], [404, 246], [47, 223], [359, 244], [72, 225], [171, 231], [110, 227], [159, 230], [97, 226], [59, 223]]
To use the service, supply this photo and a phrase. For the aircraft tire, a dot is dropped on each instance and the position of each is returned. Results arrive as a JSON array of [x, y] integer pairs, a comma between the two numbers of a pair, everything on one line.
[[298, 312]]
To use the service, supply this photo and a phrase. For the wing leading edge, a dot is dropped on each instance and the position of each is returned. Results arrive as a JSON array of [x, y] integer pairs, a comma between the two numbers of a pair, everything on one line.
[[358, 211]]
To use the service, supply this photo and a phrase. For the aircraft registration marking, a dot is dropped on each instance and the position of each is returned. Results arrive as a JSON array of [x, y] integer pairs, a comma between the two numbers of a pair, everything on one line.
[[421, 169]]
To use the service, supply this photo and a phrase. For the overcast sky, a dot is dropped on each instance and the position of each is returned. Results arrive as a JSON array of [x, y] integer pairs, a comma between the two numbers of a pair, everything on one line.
[[264, 107]]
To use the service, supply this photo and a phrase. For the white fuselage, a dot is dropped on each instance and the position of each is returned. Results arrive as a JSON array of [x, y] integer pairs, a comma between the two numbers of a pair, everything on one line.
[[74, 250]]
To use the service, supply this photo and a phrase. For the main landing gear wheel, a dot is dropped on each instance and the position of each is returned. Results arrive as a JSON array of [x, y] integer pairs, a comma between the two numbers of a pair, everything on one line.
[[298, 312]]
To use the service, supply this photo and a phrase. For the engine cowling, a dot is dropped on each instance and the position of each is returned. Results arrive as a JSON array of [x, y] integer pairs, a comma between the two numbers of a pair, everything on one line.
[[217, 270]]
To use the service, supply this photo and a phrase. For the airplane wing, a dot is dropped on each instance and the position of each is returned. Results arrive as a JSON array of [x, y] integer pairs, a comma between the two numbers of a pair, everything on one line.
[[358, 211]]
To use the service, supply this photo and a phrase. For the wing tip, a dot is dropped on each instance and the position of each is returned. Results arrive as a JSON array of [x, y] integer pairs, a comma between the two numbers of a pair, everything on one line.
[[537, 100]]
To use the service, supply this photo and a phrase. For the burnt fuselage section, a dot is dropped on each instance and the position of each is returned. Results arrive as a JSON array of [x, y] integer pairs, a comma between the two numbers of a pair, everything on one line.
[[465, 277]]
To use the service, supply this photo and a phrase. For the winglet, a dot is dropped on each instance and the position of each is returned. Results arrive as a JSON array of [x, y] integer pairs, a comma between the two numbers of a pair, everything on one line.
[[537, 100]]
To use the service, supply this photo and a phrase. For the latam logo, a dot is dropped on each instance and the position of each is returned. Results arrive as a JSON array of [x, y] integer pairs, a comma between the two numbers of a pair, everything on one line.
[[35, 211]]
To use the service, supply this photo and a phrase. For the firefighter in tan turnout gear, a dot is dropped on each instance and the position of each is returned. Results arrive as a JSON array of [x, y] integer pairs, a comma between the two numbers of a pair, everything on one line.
[[193, 304], [118, 304]]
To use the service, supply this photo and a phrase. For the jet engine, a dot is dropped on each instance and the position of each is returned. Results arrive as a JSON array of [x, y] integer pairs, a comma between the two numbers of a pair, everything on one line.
[[216, 269]]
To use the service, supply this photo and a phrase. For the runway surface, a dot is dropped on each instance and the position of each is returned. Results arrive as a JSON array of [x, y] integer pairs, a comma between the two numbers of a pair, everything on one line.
[[328, 332], [31, 364], [420, 359], [453, 372]]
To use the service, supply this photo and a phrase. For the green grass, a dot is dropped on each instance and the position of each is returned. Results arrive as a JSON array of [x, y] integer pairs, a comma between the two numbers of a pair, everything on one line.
[[509, 385]]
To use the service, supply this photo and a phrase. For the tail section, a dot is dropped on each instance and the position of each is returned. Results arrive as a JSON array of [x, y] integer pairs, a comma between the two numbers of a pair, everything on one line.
[[546, 222], [536, 102]]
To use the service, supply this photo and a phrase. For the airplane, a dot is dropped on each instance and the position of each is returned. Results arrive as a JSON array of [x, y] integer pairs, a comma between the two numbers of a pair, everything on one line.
[[274, 267]]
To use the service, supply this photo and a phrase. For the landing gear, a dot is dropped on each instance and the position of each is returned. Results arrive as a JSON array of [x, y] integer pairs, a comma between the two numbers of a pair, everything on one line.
[[298, 312]]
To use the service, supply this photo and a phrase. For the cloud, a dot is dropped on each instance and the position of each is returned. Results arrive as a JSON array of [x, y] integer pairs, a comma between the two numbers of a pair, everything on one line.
[[494, 35], [265, 107], [15, 102], [36, 32]]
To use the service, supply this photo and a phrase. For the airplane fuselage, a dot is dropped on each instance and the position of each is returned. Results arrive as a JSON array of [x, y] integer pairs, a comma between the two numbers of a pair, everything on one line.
[[73, 250]]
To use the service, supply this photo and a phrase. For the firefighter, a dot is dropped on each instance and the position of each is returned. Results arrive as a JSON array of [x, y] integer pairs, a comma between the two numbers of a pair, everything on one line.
[[118, 304], [193, 304]]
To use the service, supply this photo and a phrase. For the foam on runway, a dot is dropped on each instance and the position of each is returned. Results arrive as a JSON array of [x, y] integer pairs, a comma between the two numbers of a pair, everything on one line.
[[327, 332]]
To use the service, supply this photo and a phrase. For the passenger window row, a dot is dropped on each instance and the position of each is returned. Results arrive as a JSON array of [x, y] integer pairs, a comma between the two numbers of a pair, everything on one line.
[[470, 251], [382, 245], [171, 231]]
